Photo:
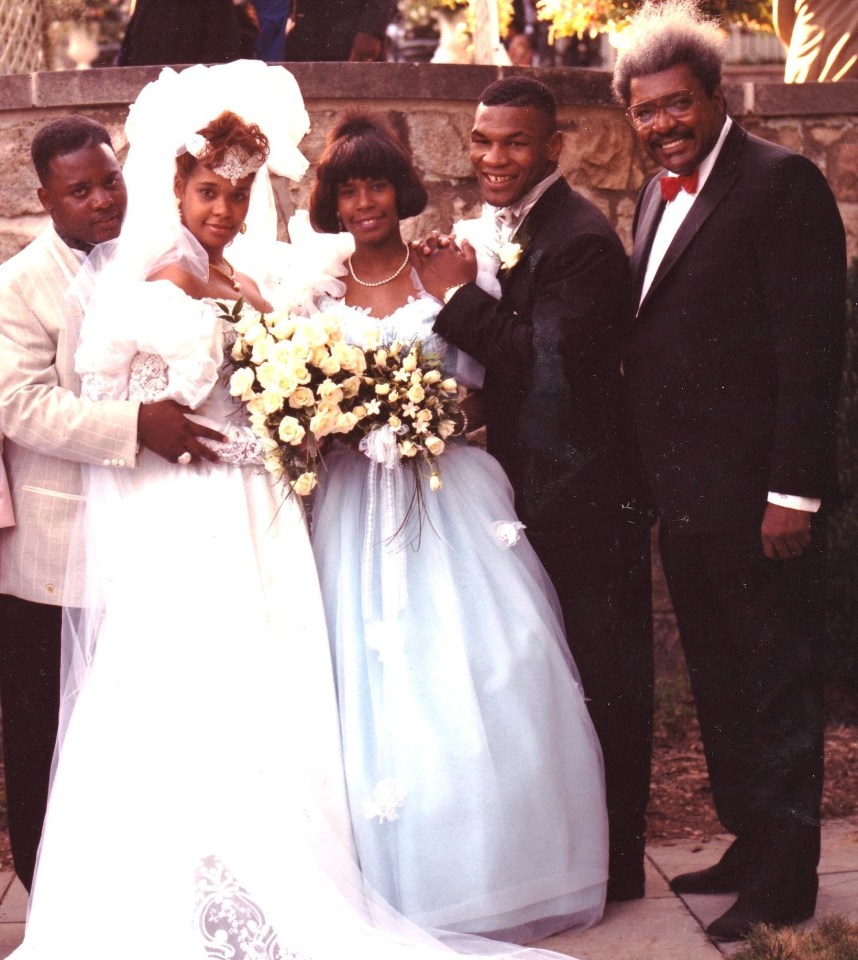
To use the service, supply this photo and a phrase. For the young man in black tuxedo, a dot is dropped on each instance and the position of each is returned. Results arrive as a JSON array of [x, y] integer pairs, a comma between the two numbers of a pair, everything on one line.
[[732, 364], [556, 421]]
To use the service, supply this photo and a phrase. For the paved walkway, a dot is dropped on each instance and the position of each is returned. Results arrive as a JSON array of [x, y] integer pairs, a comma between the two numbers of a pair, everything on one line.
[[660, 927]]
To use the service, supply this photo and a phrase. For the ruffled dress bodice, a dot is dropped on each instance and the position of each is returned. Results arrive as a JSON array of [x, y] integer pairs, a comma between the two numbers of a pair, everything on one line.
[[413, 321], [169, 346]]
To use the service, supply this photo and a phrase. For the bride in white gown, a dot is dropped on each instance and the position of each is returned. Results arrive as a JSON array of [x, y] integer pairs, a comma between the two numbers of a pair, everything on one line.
[[473, 770], [197, 807]]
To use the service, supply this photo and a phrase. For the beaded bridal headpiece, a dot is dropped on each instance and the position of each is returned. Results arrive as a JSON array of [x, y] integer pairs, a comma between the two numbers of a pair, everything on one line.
[[237, 163], [162, 124]]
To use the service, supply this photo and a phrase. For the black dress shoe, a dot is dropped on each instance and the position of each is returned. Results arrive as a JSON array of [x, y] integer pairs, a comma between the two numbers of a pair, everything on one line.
[[740, 919], [625, 888], [626, 873], [723, 877], [713, 879]]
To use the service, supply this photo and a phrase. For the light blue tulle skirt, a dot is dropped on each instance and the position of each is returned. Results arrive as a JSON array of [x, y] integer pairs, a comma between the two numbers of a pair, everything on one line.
[[474, 774]]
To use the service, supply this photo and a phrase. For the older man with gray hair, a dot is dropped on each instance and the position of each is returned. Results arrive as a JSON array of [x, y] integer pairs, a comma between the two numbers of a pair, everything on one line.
[[732, 363]]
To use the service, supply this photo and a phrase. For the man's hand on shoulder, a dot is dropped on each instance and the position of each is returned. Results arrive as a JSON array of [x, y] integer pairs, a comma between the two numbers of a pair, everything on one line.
[[165, 430], [785, 532], [440, 264]]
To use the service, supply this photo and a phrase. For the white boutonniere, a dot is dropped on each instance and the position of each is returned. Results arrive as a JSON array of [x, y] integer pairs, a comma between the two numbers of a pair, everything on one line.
[[509, 254], [491, 255]]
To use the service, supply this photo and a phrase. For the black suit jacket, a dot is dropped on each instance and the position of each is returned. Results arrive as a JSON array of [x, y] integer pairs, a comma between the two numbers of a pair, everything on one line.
[[325, 29], [554, 396], [734, 358]]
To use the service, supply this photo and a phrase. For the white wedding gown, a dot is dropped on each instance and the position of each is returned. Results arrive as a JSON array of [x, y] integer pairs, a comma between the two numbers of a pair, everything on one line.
[[197, 808], [473, 770]]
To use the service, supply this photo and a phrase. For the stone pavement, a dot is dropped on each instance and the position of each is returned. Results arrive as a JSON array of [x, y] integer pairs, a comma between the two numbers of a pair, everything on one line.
[[660, 927]]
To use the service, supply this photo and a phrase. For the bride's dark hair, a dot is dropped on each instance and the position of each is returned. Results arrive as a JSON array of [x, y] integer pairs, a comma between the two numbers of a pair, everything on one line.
[[225, 131], [362, 146]]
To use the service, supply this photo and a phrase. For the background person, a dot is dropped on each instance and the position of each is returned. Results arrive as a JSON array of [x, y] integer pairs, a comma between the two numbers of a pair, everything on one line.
[[339, 30], [187, 31]]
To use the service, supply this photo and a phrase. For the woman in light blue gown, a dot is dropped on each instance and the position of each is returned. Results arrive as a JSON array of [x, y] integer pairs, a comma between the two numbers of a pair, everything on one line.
[[474, 774]]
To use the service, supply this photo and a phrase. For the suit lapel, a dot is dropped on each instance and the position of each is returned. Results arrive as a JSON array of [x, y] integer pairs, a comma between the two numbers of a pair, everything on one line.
[[531, 224], [717, 186], [69, 286], [543, 207], [651, 208]]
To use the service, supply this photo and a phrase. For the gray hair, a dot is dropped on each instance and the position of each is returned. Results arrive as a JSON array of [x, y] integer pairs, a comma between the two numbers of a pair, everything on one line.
[[666, 34]]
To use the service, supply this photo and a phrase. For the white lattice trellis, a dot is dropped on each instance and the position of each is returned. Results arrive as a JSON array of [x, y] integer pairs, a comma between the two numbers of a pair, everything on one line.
[[21, 36]]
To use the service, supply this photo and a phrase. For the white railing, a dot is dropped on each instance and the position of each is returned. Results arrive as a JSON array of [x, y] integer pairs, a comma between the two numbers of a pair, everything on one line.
[[22, 38]]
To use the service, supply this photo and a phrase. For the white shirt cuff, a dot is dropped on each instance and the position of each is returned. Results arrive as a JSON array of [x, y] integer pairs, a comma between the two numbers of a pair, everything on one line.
[[808, 504]]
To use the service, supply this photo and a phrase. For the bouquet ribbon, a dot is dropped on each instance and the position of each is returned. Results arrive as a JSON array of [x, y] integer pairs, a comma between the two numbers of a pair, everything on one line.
[[385, 514]]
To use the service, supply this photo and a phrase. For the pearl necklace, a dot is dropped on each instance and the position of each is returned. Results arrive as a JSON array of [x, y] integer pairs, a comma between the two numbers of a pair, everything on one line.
[[229, 277], [381, 283]]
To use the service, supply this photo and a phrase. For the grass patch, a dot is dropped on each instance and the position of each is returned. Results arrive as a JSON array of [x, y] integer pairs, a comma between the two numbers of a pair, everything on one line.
[[834, 939]]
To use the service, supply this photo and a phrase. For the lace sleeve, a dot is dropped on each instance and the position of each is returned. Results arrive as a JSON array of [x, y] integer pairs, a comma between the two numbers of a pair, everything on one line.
[[242, 447]]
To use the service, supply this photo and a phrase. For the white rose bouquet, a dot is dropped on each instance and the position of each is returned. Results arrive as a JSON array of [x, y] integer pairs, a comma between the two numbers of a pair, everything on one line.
[[405, 399], [300, 382]]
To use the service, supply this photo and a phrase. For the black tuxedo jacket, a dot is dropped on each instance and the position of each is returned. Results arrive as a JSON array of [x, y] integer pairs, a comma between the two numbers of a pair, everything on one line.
[[734, 358], [325, 29], [554, 398]]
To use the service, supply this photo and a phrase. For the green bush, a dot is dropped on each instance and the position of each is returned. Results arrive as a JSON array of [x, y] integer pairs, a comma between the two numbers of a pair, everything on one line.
[[843, 530]]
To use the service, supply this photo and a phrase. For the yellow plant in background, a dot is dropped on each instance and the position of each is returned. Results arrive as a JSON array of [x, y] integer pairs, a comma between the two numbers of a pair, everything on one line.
[[581, 18], [419, 13]]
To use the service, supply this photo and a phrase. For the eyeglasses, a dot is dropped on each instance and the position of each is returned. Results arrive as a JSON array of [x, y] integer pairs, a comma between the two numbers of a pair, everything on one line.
[[676, 105]]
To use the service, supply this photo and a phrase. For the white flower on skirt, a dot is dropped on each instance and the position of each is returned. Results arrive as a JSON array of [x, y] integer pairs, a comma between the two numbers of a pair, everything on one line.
[[507, 532], [384, 802]]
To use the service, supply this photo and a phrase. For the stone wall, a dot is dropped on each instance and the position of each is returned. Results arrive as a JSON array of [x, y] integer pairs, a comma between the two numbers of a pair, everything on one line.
[[432, 107]]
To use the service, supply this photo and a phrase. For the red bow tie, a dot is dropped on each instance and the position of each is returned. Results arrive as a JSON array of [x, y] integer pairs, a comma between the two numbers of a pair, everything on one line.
[[670, 186]]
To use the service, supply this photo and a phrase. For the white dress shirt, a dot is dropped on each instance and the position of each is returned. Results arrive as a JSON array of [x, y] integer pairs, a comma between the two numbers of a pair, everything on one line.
[[510, 218], [675, 212]]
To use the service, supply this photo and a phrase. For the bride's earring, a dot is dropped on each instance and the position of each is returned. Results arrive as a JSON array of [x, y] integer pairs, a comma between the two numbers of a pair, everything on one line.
[[340, 223], [243, 229]]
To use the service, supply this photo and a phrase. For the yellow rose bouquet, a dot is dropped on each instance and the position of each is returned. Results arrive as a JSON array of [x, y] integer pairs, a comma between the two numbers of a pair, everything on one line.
[[405, 400], [300, 382]]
